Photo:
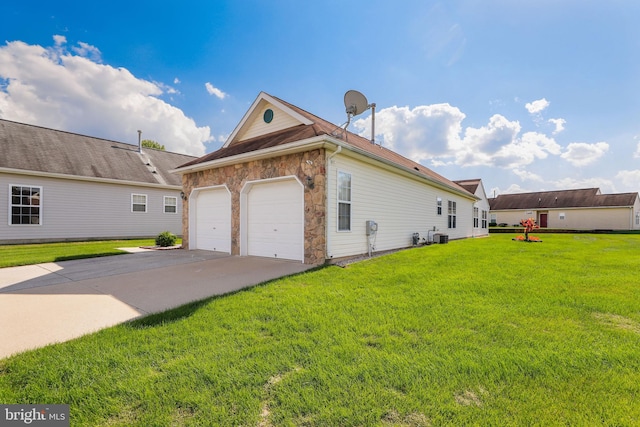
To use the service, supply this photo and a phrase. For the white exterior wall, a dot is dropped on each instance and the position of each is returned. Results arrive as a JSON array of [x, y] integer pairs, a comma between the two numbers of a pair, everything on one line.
[[401, 205], [621, 218], [75, 210], [482, 205], [259, 127]]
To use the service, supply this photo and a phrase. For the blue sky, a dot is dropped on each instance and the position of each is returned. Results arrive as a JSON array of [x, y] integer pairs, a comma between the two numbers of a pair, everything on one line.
[[528, 96]]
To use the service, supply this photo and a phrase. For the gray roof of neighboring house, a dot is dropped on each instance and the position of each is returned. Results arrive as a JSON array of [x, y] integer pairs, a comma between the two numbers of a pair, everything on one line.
[[34, 148], [582, 198], [317, 128]]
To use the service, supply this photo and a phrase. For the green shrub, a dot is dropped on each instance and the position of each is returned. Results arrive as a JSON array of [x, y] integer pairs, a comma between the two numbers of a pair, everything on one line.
[[165, 239]]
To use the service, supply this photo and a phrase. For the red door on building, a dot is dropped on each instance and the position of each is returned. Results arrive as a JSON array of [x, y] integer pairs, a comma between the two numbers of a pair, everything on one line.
[[543, 220]]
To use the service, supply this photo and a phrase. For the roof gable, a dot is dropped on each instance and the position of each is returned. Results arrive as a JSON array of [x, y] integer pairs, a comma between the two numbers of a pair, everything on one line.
[[257, 122], [471, 185], [42, 150]]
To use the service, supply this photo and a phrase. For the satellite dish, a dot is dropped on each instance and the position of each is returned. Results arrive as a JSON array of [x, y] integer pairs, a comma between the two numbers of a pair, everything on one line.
[[355, 103]]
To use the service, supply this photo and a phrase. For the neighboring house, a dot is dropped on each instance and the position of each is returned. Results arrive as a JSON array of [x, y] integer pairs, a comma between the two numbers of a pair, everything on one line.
[[291, 185], [480, 207], [60, 186], [584, 209]]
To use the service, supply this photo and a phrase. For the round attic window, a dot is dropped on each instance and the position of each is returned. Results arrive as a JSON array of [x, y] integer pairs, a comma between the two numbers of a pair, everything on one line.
[[268, 115]]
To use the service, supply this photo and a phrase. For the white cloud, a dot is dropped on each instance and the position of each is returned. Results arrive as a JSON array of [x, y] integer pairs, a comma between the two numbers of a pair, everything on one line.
[[434, 133], [481, 146], [582, 154], [420, 133], [215, 91], [176, 81], [527, 176], [513, 189], [559, 125], [54, 88], [87, 51], [537, 106], [630, 179], [637, 153], [605, 185], [59, 40]]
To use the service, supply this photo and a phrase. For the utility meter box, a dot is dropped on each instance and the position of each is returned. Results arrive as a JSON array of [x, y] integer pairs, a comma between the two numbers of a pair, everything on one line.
[[372, 227]]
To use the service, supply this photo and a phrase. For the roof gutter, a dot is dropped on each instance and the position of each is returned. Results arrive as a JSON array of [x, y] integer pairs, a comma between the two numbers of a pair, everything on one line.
[[291, 148], [87, 178]]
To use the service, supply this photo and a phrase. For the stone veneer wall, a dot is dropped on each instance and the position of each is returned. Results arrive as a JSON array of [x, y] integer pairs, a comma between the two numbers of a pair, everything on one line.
[[310, 163]]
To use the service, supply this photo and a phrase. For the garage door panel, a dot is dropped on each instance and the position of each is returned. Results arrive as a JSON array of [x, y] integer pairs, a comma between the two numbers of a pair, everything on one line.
[[213, 220], [275, 220]]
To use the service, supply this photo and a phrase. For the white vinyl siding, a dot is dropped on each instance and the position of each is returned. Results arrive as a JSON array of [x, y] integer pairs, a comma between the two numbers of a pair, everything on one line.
[[399, 204], [76, 210], [25, 205], [139, 203], [170, 204], [344, 201], [258, 126]]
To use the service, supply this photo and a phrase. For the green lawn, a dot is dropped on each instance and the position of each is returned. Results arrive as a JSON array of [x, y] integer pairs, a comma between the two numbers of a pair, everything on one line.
[[14, 255], [486, 332]]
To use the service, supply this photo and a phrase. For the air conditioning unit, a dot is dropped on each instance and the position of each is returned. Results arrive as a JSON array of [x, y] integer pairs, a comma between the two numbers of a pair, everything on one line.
[[440, 238]]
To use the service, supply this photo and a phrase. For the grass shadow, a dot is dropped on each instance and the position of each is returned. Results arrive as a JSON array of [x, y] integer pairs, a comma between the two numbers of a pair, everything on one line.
[[169, 316], [85, 256], [188, 309]]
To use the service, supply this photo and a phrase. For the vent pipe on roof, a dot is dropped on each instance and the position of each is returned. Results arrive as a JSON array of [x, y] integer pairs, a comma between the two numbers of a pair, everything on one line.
[[373, 122], [139, 141]]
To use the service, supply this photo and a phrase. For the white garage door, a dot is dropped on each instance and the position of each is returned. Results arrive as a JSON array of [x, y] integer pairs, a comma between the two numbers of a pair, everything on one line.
[[213, 220], [275, 213]]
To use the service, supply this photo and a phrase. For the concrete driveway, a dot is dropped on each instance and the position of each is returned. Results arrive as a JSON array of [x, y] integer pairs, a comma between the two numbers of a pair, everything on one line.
[[54, 302]]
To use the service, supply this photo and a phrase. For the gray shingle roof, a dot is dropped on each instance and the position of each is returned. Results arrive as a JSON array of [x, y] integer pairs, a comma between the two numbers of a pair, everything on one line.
[[34, 148], [582, 198]]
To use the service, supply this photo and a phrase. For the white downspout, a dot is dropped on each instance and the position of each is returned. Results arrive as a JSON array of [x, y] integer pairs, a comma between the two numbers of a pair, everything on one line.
[[326, 203]]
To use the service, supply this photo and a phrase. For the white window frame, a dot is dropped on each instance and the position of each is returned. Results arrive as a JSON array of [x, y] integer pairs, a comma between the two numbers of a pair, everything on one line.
[[638, 219], [439, 206], [476, 217], [20, 205], [452, 214], [484, 219], [165, 204], [146, 202], [562, 216], [344, 202]]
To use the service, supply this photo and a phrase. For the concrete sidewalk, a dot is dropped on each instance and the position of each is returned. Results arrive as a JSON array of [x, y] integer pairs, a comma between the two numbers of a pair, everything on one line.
[[55, 302]]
